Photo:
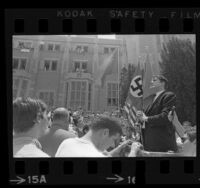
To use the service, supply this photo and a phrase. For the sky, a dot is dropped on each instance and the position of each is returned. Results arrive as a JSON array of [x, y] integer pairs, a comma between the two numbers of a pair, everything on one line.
[[99, 36], [107, 36]]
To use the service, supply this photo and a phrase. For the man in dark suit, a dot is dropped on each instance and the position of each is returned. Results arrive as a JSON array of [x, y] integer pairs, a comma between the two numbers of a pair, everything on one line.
[[159, 132], [58, 132]]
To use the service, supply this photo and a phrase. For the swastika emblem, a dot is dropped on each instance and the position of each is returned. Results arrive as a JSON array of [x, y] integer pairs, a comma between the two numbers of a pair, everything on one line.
[[136, 87]]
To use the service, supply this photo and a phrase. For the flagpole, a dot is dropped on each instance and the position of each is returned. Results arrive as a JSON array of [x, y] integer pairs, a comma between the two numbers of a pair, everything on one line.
[[142, 140], [137, 122], [142, 102], [118, 79]]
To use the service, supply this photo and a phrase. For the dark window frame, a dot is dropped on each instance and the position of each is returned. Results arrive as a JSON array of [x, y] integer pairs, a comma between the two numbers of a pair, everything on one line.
[[47, 62], [18, 62], [49, 46], [54, 63], [21, 63]]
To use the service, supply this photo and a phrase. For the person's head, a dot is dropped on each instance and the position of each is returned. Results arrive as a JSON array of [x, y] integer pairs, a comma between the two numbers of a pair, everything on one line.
[[106, 131], [30, 117], [187, 126], [159, 81], [191, 135], [85, 129], [61, 116], [78, 119]]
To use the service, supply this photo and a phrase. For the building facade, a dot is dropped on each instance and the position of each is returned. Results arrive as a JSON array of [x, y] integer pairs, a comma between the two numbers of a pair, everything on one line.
[[65, 71], [70, 71]]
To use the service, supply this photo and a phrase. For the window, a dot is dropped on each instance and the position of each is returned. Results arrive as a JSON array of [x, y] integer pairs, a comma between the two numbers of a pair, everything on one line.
[[80, 66], [112, 94], [21, 44], [85, 48], [57, 47], [112, 49], [47, 97], [46, 65], [106, 50], [78, 49], [76, 66], [78, 94], [84, 66], [19, 90], [23, 64], [15, 63], [19, 63], [23, 88], [24, 45], [81, 49], [54, 66], [53, 47], [89, 96], [50, 47], [50, 65], [41, 47], [15, 87]]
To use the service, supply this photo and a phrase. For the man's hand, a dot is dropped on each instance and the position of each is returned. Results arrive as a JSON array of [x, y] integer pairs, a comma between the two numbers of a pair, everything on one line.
[[141, 116], [170, 116], [116, 152], [135, 148]]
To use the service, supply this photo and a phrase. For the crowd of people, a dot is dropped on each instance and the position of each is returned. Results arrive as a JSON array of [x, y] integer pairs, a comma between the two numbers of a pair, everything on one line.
[[38, 132], [62, 133]]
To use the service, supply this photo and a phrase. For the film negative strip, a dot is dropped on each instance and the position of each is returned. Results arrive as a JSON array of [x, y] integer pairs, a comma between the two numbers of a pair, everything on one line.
[[22, 25]]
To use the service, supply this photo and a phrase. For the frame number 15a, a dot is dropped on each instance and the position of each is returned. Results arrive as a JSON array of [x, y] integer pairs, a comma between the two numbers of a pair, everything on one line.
[[36, 179]]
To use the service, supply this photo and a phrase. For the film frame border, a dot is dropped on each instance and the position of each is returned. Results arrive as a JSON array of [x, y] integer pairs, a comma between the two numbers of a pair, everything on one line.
[[22, 22]]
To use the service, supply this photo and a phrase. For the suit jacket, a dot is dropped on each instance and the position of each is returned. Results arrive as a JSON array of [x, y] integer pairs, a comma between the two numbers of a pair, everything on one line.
[[51, 141], [159, 132]]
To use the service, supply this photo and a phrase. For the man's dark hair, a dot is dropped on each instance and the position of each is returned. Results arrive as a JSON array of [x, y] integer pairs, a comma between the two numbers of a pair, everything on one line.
[[25, 113], [106, 122], [75, 120], [192, 135], [163, 79], [85, 128], [60, 114]]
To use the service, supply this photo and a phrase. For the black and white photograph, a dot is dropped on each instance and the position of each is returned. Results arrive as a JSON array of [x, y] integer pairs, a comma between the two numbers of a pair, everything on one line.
[[104, 96]]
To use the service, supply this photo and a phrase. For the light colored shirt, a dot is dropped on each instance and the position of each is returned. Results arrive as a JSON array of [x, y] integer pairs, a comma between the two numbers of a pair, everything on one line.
[[189, 149], [78, 147], [27, 147]]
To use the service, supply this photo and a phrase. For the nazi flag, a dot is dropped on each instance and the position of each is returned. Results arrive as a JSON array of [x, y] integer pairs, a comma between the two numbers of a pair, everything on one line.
[[136, 87]]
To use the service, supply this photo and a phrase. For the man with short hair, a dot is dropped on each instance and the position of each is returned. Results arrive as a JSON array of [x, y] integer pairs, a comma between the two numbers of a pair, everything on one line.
[[103, 133], [58, 131], [159, 132], [30, 122]]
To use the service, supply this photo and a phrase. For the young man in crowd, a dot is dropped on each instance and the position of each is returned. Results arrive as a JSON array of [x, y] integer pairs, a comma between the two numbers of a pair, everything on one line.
[[103, 133], [58, 131], [188, 142], [30, 122]]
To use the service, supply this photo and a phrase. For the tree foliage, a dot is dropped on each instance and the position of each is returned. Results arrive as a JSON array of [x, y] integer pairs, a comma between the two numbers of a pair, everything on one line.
[[178, 65]]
